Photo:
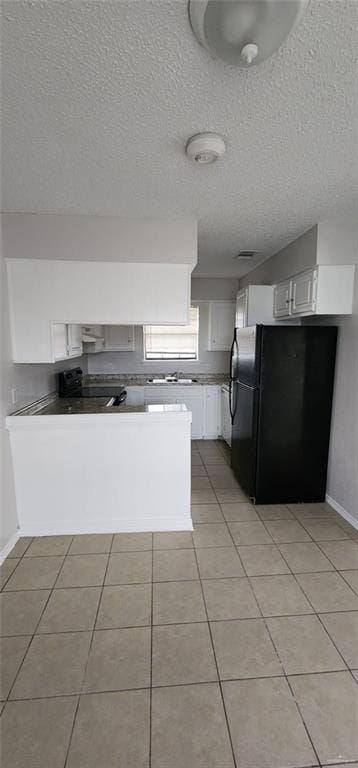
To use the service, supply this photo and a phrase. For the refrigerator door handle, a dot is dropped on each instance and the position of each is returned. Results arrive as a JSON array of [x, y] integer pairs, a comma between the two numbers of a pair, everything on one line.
[[233, 345], [232, 410], [231, 355], [230, 396]]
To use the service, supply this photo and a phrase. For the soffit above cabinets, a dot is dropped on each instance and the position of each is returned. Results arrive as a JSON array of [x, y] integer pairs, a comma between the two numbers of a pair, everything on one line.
[[43, 293], [99, 238]]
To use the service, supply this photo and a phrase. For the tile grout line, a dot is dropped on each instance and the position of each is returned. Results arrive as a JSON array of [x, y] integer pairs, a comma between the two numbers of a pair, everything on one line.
[[151, 661], [177, 685], [328, 557], [198, 621], [290, 688], [287, 676], [10, 575], [216, 664], [36, 626], [317, 614], [88, 657]]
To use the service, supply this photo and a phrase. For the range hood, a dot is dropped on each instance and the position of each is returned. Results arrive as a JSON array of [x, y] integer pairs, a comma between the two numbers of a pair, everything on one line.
[[92, 333]]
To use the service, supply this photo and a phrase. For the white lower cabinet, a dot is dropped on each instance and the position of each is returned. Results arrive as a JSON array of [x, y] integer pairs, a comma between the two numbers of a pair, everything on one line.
[[159, 395], [193, 398], [225, 415], [135, 395], [202, 401], [212, 412]]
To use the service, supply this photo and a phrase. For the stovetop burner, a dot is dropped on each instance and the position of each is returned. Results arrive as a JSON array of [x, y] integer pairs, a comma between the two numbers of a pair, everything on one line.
[[70, 385]]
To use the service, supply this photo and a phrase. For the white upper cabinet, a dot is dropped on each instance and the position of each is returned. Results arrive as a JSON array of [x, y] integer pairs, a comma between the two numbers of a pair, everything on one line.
[[303, 293], [118, 338], [281, 299], [241, 308], [324, 290], [66, 341], [74, 340], [254, 305], [221, 325], [59, 341]]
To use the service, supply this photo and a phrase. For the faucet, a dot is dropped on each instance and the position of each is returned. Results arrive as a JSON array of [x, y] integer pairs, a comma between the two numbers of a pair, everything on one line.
[[174, 375]]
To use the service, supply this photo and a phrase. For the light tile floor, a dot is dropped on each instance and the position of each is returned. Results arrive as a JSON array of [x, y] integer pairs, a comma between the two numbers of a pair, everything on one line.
[[234, 646]]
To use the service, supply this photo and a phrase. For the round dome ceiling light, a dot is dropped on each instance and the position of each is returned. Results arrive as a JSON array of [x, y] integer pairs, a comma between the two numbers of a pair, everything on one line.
[[205, 148], [244, 32]]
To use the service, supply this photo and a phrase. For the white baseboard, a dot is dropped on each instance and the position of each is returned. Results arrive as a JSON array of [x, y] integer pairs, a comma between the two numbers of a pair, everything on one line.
[[60, 527], [9, 546], [341, 511]]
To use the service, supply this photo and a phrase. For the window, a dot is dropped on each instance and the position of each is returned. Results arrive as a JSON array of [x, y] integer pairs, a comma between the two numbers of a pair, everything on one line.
[[172, 342]]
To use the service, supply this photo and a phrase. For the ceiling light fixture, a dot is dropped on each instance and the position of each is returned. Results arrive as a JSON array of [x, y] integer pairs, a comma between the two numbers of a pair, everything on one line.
[[205, 148], [244, 32]]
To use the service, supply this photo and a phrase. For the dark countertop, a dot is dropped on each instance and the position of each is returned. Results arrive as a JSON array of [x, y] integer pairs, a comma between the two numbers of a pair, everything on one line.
[[84, 405], [140, 380]]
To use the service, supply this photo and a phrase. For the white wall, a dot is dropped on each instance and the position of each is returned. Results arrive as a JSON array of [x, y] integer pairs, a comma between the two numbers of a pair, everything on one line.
[[295, 257], [218, 289], [342, 483], [31, 382], [337, 241], [335, 245], [202, 290]]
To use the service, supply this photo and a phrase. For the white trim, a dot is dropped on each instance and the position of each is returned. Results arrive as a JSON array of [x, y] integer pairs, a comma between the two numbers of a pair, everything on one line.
[[341, 511], [58, 527], [146, 418], [9, 546]]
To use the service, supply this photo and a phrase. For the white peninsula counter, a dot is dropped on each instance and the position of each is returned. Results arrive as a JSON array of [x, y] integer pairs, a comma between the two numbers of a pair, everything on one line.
[[83, 467]]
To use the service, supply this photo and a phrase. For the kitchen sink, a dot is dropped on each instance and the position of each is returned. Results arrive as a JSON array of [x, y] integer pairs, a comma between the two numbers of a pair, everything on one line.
[[171, 380]]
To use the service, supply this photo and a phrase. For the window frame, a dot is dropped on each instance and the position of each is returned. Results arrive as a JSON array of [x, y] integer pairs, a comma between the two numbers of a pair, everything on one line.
[[172, 360]]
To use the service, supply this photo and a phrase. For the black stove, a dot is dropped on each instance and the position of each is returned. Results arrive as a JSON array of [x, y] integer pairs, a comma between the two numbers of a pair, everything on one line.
[[70, 385]]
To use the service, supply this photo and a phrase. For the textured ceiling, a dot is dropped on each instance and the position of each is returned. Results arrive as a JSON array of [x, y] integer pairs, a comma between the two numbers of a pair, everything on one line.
[[100, 97]]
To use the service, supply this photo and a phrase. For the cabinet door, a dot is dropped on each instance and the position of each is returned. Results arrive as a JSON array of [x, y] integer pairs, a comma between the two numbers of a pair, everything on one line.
[[194, 399], [225, 416], [221, 325], [241, 309], [212, 412], [158, 395], [59, 341], [281, 299], [135, 395], [303, 297], [119, 338], [74, 340]]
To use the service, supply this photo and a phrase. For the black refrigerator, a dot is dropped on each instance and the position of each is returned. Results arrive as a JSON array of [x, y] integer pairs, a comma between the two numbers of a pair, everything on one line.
[[281, 399]]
